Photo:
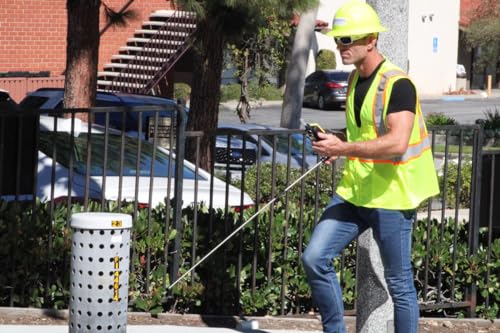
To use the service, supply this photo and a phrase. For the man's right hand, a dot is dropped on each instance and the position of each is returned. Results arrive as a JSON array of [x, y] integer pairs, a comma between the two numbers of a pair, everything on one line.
[[329, 145]]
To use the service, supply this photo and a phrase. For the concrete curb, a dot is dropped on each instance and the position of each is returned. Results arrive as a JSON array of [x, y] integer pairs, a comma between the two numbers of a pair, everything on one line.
[[176, 323]]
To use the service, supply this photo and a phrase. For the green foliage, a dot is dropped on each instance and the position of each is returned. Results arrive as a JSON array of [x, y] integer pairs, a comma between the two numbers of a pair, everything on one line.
[[232, 22], [264, 92], [439, 119], [484, 33], [491, 125], [230, 92], [456, 183], [263, 44], [450, 268], [317, 186], [263, 52], [182, 90], [326, 60], [492, 121], [34, 274], [256, 92]]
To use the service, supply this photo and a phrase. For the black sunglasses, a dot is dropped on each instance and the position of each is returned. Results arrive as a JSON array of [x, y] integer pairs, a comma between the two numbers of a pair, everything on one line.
[[348, 40]]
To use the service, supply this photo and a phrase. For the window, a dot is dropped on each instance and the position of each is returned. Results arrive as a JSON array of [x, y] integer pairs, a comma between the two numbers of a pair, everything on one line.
[[295, 147], [61, 141], [33, 102], [338, 76]]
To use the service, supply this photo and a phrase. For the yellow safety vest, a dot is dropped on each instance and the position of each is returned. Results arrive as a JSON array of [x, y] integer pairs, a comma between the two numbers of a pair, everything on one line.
[[401, 182]]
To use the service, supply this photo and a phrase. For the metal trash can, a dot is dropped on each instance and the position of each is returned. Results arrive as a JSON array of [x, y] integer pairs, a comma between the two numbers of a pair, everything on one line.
[[100, 256]]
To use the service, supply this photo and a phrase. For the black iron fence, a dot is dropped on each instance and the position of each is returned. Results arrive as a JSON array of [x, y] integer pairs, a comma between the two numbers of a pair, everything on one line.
[[54, 165]]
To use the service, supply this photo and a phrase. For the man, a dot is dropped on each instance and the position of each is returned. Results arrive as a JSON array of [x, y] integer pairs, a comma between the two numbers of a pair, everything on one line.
[[389, 171]]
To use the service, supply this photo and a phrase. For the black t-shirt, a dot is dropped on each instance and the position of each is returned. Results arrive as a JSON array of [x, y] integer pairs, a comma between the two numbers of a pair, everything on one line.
[[403, 96]]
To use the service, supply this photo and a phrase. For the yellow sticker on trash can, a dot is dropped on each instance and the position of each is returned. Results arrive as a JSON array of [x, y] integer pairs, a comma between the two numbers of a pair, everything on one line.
[[116, 223], [116, 279]]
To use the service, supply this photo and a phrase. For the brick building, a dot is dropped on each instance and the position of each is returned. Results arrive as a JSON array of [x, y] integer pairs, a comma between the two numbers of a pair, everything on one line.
[[33, 38]]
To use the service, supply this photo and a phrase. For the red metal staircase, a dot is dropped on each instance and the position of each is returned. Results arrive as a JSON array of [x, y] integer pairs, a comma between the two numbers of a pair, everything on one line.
[[144, 62]]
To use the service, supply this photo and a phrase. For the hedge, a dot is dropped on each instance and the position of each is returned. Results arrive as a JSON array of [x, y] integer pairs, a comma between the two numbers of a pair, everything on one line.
[[34, 274]]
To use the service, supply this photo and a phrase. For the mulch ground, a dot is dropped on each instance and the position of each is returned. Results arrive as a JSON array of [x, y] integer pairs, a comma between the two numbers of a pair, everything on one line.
[[28, 316]]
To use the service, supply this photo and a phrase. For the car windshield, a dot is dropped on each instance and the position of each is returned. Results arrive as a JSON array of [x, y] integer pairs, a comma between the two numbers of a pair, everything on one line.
[[62, 142], [338, 76], [296, 144]]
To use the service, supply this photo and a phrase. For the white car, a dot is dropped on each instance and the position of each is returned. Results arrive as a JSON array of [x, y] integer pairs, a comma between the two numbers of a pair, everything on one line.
[[136, 180]]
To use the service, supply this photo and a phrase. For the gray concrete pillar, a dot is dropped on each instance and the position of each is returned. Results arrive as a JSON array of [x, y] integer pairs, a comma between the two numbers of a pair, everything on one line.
[[374, 306], [393, 43]]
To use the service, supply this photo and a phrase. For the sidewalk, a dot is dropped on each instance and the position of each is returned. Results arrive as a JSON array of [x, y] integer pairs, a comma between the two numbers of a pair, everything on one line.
[[138, 329], [468, 94], [30, 320]]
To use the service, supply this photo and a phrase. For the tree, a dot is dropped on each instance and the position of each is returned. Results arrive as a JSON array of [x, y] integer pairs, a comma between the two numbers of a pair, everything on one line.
[[82, 50], [219, 22], [82, 54], [483, 33], [261, 53]]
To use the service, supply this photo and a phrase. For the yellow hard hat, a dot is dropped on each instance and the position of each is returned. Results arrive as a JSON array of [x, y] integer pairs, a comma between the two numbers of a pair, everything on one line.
[[355, 18]]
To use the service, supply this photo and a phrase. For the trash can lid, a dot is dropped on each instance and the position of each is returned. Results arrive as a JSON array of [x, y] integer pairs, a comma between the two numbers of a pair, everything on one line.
[[101, 221]]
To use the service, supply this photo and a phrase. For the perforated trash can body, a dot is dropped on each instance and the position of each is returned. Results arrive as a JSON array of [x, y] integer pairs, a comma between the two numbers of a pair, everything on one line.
[[99, 272]]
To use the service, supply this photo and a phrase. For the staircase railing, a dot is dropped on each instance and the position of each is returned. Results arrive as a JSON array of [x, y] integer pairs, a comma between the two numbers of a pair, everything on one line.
[[156, 57]]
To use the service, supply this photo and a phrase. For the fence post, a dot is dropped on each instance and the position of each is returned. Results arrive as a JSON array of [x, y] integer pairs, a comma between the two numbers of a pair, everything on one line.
[[475, 214], [180, 139], [100, 255]]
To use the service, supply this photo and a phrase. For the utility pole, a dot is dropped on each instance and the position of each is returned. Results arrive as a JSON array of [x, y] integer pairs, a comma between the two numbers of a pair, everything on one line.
[[296, 70]]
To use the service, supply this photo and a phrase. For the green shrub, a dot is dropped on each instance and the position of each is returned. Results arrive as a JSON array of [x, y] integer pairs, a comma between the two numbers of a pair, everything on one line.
[[492, 121], [449, 272], [491, 125], [255, 92], [34, 274], [326, 60], [230, 92], [319, 182], [439, 119], [182, 91], [455, 184], [264, 92]]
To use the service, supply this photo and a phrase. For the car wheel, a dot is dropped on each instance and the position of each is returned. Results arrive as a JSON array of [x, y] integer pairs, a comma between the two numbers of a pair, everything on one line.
[[321, 102]]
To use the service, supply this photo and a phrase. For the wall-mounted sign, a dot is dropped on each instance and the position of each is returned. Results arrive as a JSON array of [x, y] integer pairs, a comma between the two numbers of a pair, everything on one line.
[[434, 45]]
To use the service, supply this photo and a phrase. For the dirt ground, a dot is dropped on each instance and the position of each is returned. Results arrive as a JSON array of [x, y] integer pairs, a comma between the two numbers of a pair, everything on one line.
[[22, 316]]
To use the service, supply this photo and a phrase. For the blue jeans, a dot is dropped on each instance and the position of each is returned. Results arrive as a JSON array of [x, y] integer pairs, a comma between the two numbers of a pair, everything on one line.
[[340, 223]]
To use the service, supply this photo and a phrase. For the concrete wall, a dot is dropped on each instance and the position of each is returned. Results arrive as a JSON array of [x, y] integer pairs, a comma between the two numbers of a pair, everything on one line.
[[432, 44]]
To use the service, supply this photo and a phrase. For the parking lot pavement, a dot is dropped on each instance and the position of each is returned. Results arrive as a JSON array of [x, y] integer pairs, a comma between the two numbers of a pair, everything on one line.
[[139, 329]]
